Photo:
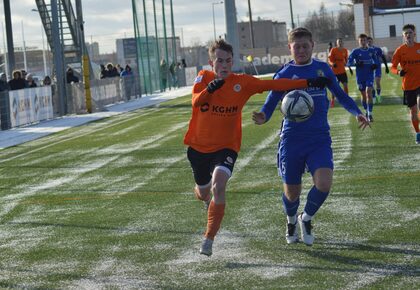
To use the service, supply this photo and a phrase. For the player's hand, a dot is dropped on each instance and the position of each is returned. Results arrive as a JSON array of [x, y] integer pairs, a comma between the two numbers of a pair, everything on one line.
[[402, 73], [387, 70], [350, 70], [258, 117], [359, 63], [319, 82], [215, 85], [334, 65], [373, 66], [363, 121]]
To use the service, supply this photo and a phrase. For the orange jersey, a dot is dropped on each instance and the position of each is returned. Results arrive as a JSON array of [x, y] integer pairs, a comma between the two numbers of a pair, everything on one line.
[[409, 60], [339, 57], [216, 121]]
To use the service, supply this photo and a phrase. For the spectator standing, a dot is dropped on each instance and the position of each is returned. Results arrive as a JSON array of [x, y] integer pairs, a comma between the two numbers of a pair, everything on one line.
[[30, 81], [163, 74], [70, 77], [17, 82], [46, 81]]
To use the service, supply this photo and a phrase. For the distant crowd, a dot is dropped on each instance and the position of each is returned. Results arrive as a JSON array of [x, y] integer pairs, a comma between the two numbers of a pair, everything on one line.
[[21, 80]]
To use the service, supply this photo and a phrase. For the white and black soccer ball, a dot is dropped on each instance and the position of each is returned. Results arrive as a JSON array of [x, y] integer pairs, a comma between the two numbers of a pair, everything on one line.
[[297, 106]]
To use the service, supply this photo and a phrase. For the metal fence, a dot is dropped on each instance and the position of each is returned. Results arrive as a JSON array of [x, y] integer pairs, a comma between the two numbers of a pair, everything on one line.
[[31, 105]]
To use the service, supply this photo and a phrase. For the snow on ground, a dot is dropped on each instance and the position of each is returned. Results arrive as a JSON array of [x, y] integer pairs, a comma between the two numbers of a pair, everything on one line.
[[21, 135]]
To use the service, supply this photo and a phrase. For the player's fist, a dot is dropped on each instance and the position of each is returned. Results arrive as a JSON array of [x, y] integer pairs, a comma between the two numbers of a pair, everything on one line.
[[215, 85], [351, 71], [387, 70], [373, 66], [402, 73], [258, 117], [359, 63], [319, 82]]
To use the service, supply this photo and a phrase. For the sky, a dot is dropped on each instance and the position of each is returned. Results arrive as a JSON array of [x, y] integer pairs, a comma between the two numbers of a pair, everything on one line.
[[107, 20]]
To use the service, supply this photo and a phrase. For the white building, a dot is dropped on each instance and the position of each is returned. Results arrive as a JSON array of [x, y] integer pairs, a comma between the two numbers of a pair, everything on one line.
[[384, 22]]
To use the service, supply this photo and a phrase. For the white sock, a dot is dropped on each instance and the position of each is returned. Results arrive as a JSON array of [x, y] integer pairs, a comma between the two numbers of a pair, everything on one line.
[[306, 217], [291, 219]]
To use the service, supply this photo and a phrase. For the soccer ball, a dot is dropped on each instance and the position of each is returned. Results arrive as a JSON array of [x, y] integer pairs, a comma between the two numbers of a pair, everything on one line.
[[297, 106]]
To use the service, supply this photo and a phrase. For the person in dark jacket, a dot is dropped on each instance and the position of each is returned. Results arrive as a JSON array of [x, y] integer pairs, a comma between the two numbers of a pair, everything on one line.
[[70, 77], [17, 82]]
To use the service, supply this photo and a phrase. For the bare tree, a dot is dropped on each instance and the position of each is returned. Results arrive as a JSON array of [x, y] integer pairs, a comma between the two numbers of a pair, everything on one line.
[[345, 24], [322, 25]]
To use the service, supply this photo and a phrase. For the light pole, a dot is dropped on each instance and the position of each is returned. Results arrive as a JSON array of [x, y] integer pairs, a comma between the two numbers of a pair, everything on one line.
[[214, 22], [43, 47]]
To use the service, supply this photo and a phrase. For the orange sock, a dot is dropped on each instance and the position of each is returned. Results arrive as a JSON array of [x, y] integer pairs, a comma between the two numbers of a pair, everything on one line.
[[415, 125], [214, 219]]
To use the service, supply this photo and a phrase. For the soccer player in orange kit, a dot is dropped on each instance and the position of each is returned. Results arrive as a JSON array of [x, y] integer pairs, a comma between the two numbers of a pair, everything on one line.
[[215, 130], [408, 57], [337, 58]]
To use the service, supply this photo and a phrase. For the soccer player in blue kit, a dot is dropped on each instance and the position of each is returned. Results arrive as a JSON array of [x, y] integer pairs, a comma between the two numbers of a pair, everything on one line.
[[306, 144], [366, 63], [378, 71]]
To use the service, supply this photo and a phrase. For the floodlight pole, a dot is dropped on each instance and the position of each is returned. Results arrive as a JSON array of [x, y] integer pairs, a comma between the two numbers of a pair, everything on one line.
[[9, 36], [291, 14]]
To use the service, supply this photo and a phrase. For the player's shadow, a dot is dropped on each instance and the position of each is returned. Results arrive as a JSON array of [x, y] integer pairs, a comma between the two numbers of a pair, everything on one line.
[[329, 252]]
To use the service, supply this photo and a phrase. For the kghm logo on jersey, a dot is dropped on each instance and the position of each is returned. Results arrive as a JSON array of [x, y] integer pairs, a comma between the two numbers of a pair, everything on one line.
[[224, 110], [237, 88], [204, 107], [198, 79]]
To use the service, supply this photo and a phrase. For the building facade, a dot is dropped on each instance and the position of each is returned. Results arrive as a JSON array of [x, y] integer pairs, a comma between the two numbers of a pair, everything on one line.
[[385, 18]]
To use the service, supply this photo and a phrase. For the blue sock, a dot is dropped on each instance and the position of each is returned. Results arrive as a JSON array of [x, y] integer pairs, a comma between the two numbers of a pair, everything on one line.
[[314, 200], [373, 94], [364, 104], [290, 207], [378, 92], [370, 108]]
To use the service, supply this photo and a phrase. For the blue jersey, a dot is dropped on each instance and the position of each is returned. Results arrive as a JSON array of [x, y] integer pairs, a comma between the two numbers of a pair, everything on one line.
[[363, 58], [378, 51], [317, 124]]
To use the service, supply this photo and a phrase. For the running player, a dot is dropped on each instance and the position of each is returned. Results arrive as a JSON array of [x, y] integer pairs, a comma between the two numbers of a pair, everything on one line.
[[337, 58], [215, 129], [408, 57], [306, 144], [366, 62], [378, 71]]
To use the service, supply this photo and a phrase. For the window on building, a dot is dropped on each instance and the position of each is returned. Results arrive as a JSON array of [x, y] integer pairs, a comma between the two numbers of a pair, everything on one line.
[[392, 31]]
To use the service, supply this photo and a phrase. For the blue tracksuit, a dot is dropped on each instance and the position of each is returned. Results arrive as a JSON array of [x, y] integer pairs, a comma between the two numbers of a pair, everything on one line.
[[307, 143]]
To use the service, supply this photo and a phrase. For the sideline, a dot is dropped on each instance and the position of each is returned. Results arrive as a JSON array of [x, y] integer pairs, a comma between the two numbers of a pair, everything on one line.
[[16, 136]]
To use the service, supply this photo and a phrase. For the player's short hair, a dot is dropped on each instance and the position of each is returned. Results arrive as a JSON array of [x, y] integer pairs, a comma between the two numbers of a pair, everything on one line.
[[369, 38], [220, 44], [298, 32], [409, 26], [362, 35]]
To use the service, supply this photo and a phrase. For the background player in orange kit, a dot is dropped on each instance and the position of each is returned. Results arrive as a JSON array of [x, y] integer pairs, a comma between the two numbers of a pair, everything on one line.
[[408, 57], [215, 130], [337, 58]]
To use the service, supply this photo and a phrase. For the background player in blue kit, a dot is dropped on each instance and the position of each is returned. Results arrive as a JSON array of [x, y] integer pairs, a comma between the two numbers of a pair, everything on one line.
[[306, 144], [366, 63], [378, 71]]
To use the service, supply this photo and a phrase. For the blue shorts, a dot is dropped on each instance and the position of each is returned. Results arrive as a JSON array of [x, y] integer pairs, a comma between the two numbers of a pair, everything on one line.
[[362, 85], [378, 72], [294, 156]]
